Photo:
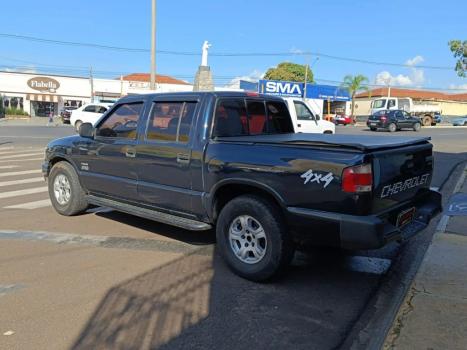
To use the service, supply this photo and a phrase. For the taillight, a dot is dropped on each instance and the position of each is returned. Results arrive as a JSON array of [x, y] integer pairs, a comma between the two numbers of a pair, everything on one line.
[[357, 179]]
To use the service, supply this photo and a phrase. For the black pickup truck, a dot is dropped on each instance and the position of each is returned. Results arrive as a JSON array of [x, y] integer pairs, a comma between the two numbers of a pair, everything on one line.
[[230, 160]]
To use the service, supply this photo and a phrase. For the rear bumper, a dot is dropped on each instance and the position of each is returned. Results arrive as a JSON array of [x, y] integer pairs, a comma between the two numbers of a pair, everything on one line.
[[362, 232]]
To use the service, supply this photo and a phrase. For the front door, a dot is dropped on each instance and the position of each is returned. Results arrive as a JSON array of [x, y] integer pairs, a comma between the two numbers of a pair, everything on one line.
[[108, 164], [164, 155], [306, 121]]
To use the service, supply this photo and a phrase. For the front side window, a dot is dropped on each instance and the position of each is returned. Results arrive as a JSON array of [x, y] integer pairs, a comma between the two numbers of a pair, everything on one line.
[[122, 122], [171, 121], [379, 103], [303, 113]]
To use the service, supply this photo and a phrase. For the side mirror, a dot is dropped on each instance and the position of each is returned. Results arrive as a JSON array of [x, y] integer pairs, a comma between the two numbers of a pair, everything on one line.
[[86, 130]]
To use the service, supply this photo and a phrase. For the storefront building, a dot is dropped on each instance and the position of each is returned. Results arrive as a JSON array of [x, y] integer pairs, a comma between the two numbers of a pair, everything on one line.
[[40, 95]]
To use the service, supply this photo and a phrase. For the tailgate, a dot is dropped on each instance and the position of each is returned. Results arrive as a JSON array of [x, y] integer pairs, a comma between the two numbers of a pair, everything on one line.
[[401, 174]]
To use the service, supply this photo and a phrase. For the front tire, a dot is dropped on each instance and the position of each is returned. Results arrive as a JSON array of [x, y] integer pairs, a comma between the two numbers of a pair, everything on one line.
[[392, 127], [65, 191], [253, 238], [416, 127], [373, 129]]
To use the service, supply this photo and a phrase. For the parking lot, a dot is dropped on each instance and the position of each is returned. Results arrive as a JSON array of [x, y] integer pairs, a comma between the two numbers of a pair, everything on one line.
[[111, 280]]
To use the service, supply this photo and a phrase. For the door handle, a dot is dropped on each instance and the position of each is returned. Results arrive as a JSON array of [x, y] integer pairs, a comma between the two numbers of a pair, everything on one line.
[[130, 153], [299, 125], [183, 158]]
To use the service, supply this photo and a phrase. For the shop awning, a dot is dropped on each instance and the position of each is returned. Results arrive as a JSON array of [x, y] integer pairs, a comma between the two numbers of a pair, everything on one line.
[[42, 98]]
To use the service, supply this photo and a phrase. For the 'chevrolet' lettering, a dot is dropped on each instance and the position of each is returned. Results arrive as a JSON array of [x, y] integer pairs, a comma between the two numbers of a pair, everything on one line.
[[402, 186]]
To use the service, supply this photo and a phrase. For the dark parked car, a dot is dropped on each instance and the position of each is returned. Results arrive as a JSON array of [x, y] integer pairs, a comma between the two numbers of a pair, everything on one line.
[[65, 114], [230, 161], [393, 120]]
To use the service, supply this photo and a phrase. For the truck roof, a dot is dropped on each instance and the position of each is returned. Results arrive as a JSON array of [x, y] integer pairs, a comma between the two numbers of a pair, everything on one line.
[[240, 94]]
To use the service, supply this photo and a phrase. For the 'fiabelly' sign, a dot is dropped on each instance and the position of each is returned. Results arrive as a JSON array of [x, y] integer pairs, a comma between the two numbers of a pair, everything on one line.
[[43, 84], [280, 88]]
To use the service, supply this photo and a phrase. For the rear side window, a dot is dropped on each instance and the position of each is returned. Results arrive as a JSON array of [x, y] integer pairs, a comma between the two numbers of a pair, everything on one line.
[[90, 108], [122, 122], [279, 121], [237, 117], [171, 121], [230, 118]]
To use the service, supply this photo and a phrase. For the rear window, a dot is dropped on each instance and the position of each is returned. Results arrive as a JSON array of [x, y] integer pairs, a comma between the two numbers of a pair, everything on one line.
[[238, 117]]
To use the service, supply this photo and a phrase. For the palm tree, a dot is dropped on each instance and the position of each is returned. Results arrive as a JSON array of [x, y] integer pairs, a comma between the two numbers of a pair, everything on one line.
[[354, 84]]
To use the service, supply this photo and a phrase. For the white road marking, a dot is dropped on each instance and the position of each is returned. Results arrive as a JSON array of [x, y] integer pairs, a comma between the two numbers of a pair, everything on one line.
[[8, 166], [13, 156], [31, 205], [22, 181], [24, 172], [18, 193], [2, 153], [19, 160]]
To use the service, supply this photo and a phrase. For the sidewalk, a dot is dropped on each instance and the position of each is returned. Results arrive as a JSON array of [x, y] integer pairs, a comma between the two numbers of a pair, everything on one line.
[[33, 121], [434, 313]]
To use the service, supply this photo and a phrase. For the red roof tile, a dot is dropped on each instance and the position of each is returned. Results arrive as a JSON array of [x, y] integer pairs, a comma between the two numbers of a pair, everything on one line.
[[161, 79], [415, 94]]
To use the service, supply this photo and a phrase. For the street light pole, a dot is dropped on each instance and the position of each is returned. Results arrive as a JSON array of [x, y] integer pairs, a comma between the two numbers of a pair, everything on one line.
[[153, 46]]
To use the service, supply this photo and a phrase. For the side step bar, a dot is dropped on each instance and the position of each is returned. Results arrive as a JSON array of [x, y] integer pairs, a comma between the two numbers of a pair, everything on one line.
[[164, 218]]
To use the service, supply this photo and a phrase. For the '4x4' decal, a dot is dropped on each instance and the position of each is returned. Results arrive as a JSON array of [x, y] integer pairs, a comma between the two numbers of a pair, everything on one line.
[[311, 177]]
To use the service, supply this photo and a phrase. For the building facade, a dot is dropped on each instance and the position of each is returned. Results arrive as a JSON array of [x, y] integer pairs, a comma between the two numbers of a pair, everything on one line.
[[40, 95]]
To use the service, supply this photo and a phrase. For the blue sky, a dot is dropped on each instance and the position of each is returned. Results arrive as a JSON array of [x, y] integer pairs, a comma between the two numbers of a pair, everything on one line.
[[387, 31]]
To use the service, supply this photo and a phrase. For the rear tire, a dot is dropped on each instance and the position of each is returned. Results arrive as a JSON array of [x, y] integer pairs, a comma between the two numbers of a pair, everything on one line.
[[416, 127], [77, 125], [253, 238], [373, 129], [65, 191], [426, 120], [392, 127]]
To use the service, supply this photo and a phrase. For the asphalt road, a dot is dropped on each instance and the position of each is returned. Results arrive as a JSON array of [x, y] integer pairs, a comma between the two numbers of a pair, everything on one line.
[[111, 280]]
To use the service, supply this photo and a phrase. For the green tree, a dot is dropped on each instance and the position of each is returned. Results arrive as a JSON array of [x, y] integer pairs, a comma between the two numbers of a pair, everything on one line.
[[290, 72], [459, 50], [353, 84]]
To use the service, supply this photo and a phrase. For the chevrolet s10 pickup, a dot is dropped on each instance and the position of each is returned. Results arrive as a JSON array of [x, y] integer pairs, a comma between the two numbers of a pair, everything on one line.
[[231, 161]]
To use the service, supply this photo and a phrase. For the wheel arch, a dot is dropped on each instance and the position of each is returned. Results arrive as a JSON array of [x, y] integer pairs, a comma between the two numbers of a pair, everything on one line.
[[227, 190]]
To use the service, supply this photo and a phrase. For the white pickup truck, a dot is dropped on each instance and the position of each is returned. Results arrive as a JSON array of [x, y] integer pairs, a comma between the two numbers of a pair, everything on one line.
[[306, 119], [425, 111]]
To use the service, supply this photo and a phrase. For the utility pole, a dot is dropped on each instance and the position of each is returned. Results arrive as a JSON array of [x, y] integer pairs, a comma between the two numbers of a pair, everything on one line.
[[306, 77], [153, 46], [92, 84]]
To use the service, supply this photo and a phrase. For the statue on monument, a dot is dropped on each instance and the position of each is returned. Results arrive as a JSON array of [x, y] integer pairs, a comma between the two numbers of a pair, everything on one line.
[[204, 57]]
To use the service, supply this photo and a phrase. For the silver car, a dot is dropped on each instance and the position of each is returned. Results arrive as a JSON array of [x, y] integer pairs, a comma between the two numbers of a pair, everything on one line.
[[462, 121]]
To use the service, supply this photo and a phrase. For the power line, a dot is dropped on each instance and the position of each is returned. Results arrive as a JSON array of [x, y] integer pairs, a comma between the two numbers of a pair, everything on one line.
[[219, 54]]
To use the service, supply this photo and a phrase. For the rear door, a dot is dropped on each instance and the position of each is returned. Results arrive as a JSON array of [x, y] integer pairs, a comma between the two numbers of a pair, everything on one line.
[[108, 163], [164, 154]]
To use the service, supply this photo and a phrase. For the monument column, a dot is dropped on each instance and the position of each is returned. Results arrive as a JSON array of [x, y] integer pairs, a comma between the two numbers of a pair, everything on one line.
[[203, 78]]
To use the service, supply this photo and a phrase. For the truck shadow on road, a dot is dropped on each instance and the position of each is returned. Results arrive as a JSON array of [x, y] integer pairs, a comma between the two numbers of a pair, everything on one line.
[[195, 302]]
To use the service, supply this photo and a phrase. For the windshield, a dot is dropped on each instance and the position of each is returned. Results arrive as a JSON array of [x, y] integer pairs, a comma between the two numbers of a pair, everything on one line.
[[379, 103]]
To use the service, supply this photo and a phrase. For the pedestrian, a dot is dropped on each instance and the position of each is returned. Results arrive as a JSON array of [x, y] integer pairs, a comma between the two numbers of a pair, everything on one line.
[[51, 119]]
